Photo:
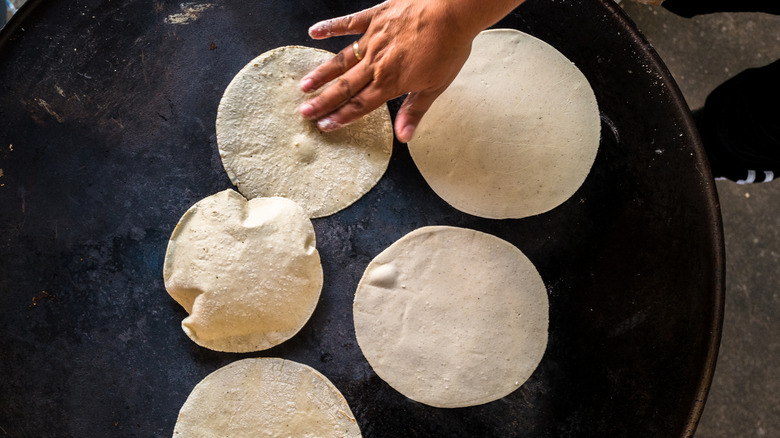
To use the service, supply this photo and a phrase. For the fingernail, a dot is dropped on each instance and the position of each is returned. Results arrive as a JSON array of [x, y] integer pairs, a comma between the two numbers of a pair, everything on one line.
[[313, 30], [307, 84], [306, 110], [320, 30], [327, 124], [406, 133]]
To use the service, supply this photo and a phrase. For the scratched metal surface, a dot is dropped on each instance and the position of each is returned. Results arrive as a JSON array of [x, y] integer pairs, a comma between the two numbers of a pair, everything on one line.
[[107, 136]]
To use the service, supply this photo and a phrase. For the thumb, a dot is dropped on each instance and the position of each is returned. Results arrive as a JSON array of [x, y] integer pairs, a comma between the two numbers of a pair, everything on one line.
[[411, 112]]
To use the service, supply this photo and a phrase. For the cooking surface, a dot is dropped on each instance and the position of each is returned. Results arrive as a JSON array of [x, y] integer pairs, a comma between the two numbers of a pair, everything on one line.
[[107, 137]]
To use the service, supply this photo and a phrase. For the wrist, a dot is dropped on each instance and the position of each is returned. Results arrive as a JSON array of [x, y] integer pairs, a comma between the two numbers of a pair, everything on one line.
[[473, 16]]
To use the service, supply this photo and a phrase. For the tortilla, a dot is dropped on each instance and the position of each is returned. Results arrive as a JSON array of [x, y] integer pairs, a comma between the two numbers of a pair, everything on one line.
[[269, 149], [265, 397], [452, 317], [514, 135], [247, 272]]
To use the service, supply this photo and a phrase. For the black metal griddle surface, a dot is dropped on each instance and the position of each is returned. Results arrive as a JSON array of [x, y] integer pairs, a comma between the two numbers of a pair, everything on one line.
[[107, 115]]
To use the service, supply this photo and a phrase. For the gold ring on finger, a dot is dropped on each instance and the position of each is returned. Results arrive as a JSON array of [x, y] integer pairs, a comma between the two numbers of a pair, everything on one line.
[[356, 50]]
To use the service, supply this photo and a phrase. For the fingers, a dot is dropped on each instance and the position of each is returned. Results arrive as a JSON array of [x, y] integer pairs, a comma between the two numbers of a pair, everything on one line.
[[411, 112], [367, 100], [344, 89], [351, 24], [371, 97], [337, 106], [331, 69]]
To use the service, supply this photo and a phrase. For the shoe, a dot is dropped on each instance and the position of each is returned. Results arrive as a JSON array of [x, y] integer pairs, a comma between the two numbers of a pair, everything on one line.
[[751, 177], [726, 165]]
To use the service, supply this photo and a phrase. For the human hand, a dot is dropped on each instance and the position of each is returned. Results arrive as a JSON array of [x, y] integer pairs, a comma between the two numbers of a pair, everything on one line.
[[412, 47]]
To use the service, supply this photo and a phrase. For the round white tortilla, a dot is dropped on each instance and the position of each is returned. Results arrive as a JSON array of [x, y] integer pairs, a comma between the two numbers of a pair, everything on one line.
[[247, 272], [452, 317], [265, 397], [269, 149], [514, 135]]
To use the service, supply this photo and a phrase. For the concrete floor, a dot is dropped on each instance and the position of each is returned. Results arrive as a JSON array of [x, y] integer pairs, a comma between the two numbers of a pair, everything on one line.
[[701, 53], [9, 12]]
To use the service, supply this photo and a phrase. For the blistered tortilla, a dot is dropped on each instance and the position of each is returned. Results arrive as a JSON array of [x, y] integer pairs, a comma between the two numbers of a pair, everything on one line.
[[247, 272], [266, 397], [269, 149]]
